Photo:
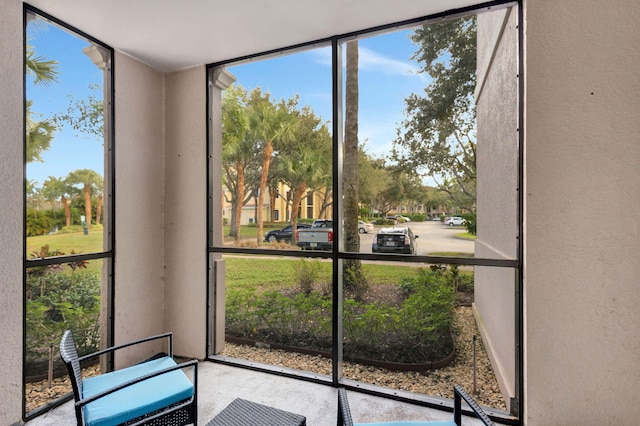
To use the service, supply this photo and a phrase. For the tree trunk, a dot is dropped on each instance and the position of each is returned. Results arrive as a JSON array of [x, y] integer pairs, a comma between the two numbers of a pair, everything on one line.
[[266, 162], [239, 200], [87, 204], [295, 208], [99, 209], [67, 211], [353, 277]]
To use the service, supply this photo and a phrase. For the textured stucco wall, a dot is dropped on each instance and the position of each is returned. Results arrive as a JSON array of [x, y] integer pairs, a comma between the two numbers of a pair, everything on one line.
[[185, 211], [582, 237], [497, 165], [139, 191], [11, 212]]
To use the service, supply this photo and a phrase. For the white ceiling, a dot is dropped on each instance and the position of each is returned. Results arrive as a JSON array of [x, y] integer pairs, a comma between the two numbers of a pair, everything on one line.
[[174, 34]]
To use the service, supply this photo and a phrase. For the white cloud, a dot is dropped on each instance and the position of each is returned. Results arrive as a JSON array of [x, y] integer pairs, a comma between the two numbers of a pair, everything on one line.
[[369, 60]]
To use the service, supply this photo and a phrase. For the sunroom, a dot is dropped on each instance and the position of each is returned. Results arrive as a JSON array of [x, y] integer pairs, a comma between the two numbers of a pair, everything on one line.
[[208, 125]]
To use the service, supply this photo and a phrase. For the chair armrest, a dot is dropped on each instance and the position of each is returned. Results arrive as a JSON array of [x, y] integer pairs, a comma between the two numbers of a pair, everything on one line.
[[344, 413], [193, 363], [458, 395], [132, 343]]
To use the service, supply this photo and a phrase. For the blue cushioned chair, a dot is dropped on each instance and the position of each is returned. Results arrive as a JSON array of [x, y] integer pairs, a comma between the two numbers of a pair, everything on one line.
[[344, 415], [155, 392]]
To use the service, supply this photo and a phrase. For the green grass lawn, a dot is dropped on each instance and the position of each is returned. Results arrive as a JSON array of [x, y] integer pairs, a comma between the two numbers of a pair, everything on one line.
[[256, 273], [249, 272], [76, 242], [67, 243]]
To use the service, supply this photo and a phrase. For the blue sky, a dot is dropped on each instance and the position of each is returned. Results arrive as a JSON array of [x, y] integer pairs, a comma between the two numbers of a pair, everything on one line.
[[69, 150], [386, 77]]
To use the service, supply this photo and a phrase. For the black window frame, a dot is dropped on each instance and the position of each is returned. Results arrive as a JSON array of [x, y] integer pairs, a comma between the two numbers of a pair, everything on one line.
[[337, 256], [108, 252]]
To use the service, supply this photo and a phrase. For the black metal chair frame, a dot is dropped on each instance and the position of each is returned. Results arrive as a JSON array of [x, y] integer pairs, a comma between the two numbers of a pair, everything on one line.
[[182, 413], [344, 413]]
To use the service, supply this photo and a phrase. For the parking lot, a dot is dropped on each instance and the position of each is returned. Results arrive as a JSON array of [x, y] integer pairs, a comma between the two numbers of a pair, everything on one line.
[[433, 237]]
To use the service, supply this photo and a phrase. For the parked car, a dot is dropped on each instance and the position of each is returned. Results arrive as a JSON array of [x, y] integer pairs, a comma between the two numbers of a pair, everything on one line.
[[395, 240], [402, 219], [364, 227], [318, 237], [454, 221], [284, 234]]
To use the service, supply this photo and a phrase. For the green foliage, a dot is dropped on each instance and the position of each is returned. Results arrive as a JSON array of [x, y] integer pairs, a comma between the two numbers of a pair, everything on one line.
[[417, 217], [471, 222], [40, 222], [384, 222], [364, 212], [438, 137], [57, 301], [355, 279], [306, 273], [417, 331]]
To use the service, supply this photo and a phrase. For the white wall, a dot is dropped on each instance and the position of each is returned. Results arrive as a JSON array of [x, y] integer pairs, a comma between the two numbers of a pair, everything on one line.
[[11, 212], [185, 211], [140, 204], [582, 298], [497, 154]]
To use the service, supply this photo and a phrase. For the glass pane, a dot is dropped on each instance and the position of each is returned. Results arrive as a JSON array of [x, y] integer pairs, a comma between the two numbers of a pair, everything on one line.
[[277, 149], [278, 311], [414, 328], [58, 298], [65, 150], [431, 141]]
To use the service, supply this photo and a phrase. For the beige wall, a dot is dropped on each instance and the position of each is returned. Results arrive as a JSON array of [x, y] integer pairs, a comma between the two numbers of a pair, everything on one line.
[[582, 300], [497, 153], [140, 204], [185, 211], [11, 215]]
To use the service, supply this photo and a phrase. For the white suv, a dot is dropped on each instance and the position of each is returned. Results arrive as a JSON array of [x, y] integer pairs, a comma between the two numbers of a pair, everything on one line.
[[454, 221]]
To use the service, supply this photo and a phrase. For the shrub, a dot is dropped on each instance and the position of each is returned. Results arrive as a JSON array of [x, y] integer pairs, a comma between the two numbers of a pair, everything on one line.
[[470, 222], [417, 331], [354, 279], [57, 301], [306, 272], [417, 217]]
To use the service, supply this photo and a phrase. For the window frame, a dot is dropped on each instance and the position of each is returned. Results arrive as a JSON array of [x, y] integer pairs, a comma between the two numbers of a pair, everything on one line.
[[107, 254], [338, 255]]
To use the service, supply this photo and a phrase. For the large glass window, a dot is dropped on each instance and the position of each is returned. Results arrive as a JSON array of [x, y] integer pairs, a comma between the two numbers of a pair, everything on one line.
[[405, 156], [68, 193]]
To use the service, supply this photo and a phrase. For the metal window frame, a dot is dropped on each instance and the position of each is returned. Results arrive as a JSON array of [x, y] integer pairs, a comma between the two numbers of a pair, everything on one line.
[[337, 256], [108, 254]]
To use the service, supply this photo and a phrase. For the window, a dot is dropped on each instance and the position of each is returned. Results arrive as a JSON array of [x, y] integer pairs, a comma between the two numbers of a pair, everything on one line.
[[68, 192], [385, 283]]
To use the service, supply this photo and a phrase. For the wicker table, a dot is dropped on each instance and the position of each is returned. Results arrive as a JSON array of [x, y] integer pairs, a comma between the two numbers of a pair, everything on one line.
[[246, 413]]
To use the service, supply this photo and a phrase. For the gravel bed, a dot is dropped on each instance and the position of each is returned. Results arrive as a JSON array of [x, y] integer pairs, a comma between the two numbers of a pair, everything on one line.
[[433, 383]]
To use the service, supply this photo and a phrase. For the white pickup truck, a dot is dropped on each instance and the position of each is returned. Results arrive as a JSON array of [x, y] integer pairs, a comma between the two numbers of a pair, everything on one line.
[[318, 237]]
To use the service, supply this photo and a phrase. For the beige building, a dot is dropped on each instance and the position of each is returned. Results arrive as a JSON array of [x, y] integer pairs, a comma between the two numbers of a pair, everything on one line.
[[579, 130], [278, 208]]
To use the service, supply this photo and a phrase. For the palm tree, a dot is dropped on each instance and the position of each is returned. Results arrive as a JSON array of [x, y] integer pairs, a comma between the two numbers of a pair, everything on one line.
[[54, 188], [268, 123], [237, 151], [43, 72], [302, 171], [350, 172], [89, 180], [39, 133]]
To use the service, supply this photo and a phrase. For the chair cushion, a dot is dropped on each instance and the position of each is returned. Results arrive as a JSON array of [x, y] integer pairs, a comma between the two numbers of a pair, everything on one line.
[[136, 400], [411, 423]]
